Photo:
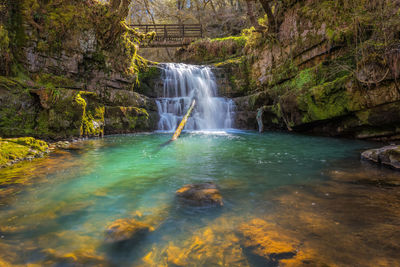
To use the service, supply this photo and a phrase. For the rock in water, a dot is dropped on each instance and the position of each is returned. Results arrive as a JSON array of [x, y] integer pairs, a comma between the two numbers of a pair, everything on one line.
[[126, 230], [205, 194], [388, 156], [268, 241]]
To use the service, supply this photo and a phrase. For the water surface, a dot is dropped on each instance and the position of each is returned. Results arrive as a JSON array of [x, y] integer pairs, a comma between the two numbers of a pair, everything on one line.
[[60, 217]]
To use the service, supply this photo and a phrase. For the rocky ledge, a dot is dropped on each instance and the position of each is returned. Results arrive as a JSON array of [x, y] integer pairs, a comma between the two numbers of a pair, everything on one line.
[[387, 156]]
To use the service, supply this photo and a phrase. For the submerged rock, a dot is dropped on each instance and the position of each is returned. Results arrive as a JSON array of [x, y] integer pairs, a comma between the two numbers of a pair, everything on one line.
[[268, 241], [388, 156], [126, 230], [200, 194], [216, 244], [77, 258]]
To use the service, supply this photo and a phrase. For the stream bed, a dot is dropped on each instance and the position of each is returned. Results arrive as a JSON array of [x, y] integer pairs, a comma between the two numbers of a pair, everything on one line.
[[289, 200]]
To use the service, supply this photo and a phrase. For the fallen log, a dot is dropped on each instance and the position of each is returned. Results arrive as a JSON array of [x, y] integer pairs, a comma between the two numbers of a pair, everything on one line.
[[183, 122]]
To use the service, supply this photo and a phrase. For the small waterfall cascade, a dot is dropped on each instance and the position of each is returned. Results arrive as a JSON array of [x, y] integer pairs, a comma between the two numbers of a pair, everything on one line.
[[182, 83]]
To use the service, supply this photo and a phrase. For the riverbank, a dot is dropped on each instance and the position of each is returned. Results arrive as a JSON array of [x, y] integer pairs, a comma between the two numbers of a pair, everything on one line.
[[13, 150], [17, 150]]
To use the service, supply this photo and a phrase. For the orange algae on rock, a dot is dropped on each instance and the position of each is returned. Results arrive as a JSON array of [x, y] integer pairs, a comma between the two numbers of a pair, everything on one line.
[[85, 257], [268, 240], [126, 229], [213, 245]]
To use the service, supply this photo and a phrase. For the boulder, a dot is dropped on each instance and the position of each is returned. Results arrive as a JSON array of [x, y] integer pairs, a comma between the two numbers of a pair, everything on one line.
[[205, 194], [126, 230], [387, 156], [268, 240]]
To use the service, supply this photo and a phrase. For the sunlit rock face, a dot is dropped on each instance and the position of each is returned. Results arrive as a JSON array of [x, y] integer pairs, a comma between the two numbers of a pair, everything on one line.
[[387, 156], [206, 194]]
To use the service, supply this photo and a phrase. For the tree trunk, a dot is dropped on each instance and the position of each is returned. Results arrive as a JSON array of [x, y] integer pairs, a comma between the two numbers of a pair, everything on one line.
[[253, 19], [183, 122], [272, 27], [120, 7]]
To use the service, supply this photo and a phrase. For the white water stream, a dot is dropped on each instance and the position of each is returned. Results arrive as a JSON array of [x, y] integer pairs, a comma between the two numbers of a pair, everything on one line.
[[182, 83]]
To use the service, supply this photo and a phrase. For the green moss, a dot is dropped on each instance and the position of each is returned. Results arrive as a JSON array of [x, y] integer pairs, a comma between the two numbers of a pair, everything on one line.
[[145, 76], [12, 151], [5, 52], [7, 83], [149, 73], [92, 119], [239, 40], [363, 116], [99, 113], [231, 61], [135, 116], [51, 80], [213, 50], [276, 109], [16, 28], [20, 148], [286, 71], [80, 101], [325, 101], [30, 142]]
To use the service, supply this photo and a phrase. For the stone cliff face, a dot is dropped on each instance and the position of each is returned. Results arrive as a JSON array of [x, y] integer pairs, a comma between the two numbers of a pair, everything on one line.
[[318, 77], [332, 68], [70, 75], [65, 113]]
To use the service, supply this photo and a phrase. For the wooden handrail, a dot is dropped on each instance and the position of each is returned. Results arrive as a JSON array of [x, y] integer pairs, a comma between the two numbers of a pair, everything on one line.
[[171, 35]]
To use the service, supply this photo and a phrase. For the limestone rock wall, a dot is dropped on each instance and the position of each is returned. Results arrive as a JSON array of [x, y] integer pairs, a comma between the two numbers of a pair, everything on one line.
[[73, 71], [321, 73], [57, 113]]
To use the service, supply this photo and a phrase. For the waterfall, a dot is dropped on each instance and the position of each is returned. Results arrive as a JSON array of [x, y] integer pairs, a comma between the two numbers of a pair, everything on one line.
[[182, 83]]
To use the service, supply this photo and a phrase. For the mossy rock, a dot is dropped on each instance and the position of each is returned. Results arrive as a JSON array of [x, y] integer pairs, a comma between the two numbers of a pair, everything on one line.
[[16, 149], [205, 194], [124, 230], [121, 119]]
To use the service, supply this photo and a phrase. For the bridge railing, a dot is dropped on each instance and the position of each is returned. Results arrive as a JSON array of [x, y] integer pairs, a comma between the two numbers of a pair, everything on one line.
[[172, 34]]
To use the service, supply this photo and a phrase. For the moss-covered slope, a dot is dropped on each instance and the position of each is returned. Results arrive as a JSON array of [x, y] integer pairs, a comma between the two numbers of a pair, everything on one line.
[[16, 149]]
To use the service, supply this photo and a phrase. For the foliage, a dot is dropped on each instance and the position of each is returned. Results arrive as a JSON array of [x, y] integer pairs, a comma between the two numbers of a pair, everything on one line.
[[92, 119], [213, 50], [57, 27], [218, 17]]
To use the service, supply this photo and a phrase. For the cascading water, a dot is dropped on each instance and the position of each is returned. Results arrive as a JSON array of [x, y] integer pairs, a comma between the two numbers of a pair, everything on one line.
[[182, 83]]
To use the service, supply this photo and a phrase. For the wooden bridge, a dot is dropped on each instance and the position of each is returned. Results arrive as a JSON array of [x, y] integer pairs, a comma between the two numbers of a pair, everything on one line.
[[171, 35]]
